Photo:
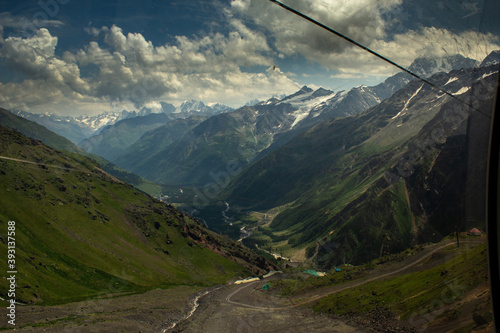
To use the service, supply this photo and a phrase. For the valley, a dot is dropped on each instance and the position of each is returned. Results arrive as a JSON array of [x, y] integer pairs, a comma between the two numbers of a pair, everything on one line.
[[249, 166], [343, 176], [369, 185]]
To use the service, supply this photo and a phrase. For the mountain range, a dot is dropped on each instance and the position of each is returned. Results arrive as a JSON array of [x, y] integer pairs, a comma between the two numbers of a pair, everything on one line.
[[407, 171], [77, 129], [246, 134], [344, 176]]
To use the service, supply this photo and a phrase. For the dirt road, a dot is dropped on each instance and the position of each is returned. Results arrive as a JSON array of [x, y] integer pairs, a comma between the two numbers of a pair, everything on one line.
[[246, 308], [222, 311]]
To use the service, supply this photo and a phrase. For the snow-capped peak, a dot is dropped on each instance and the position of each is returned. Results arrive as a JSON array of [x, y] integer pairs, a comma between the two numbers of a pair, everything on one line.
[[193, 105], [427, 66]]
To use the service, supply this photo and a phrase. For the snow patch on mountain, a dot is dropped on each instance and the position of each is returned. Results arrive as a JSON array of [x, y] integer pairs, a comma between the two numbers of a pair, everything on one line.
[[305, 101], [462, 90], [307, 107], [488, 74], [407, 102], [96, 122], [453, 79]]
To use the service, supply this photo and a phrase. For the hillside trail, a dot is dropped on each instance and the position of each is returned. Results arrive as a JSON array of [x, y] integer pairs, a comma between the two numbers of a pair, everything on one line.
[[245, 308]]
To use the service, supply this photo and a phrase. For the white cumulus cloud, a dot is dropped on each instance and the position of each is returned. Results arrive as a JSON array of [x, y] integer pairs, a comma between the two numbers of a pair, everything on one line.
[[132, 72], [35, 57]]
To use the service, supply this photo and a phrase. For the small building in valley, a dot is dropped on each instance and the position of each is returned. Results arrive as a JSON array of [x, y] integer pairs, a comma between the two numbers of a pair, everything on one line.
[[474, 232]]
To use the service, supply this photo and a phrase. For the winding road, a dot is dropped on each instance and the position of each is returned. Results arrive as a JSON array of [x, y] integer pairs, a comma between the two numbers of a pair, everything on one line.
[[244, 308], [342, 287]]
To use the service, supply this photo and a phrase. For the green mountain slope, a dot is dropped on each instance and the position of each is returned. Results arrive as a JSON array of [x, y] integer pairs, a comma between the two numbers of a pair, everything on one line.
[[35, 131], [38, 132], [395, 175], [79, 232]]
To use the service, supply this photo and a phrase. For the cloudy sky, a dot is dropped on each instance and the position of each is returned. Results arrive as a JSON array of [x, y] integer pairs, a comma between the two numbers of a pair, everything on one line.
[[87, 57]]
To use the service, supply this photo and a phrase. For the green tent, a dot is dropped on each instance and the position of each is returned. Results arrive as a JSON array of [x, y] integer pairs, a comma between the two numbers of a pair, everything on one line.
[[311, 271]]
